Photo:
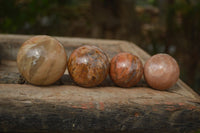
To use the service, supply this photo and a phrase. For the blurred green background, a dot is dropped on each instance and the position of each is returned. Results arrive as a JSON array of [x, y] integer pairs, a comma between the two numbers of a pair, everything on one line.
[[170, 26]]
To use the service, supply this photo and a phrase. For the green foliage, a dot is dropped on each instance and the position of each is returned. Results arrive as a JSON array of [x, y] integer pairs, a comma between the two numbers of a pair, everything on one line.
[[17, 14]]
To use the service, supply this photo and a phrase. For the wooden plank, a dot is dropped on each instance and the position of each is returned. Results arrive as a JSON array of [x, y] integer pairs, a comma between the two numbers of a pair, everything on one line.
[[72, 108], [68, 107]]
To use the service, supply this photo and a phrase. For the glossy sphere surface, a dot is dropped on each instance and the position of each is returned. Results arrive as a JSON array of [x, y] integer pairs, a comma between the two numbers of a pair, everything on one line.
[[126, 70], [161, 71], [88, 66], [42, 60]]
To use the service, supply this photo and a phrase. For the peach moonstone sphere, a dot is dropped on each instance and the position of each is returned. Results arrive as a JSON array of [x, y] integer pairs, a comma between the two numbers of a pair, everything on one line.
[[161, 71], [42, 60], [88, 66], [126, 70]]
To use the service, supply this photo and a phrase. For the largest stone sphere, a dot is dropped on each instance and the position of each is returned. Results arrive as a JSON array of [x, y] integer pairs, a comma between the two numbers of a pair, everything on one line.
[[88, 66], [42, 60]]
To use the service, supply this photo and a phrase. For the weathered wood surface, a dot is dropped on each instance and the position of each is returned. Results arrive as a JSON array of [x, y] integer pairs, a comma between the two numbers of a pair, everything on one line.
[[67, 107]]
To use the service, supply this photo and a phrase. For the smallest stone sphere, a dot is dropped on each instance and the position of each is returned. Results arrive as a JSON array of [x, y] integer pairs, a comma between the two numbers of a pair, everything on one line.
[[126, 69], [161, 71]]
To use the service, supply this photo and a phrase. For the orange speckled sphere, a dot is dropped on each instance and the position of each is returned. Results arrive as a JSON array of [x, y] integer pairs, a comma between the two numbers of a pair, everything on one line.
[[42, 60], [126, 69], [88, 66], [161, 71]]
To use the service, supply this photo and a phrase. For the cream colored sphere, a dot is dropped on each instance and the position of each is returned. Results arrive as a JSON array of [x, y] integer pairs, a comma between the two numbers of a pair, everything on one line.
[[42, 60]]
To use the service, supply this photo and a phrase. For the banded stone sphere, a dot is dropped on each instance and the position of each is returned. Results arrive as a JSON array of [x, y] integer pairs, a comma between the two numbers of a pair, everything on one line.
[[161, 71], [126, 69], [42, 60], [88, 66]]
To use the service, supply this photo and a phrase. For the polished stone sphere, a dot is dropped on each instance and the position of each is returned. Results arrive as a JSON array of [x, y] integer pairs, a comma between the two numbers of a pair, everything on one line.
[[88, 66], [42, 60], [161, 71], [126, 70]]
